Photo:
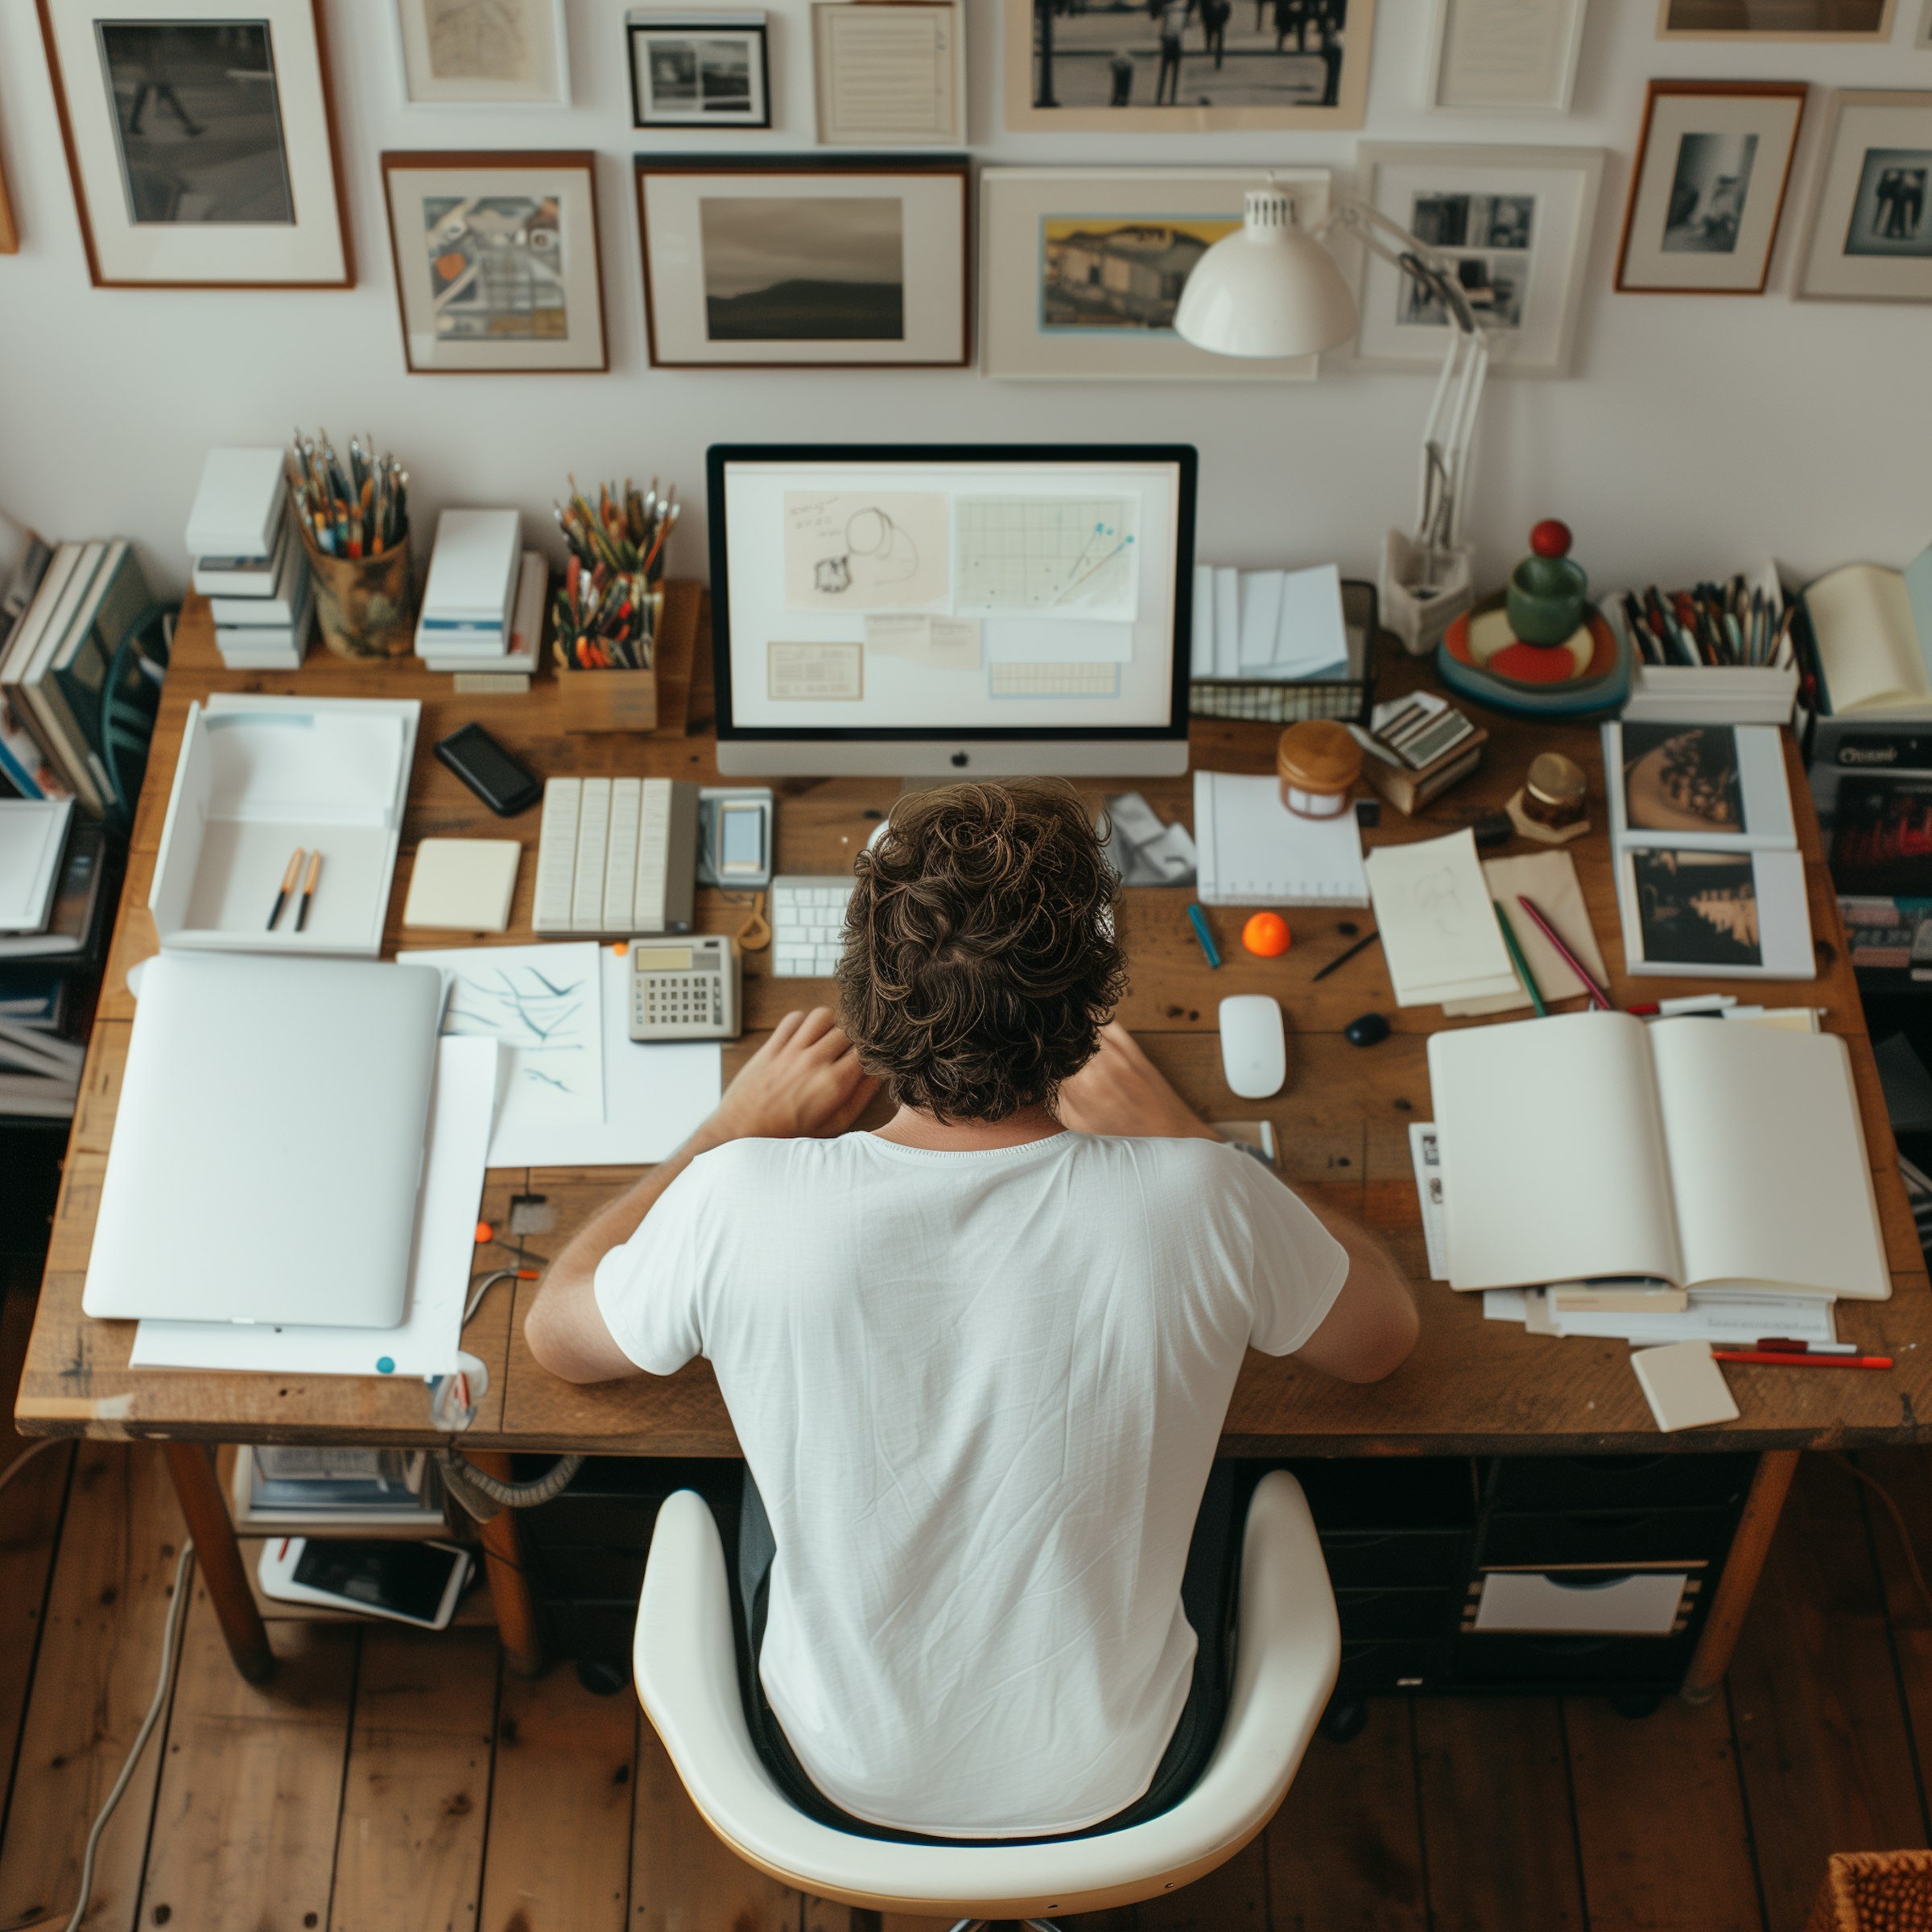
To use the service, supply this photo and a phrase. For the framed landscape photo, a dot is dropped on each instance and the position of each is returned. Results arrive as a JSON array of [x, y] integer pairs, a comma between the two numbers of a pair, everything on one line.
[[804, 261], [496, 258], [1182, 67], [1506, 55], [1869, 234], [1514, 225], [473, 53], [1713, 162], [1774, 19], [1081, 268], [200, 139], [698, 68]]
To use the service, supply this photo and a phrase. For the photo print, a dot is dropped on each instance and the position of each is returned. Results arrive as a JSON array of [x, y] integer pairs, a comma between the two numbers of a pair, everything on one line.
[[1098, 273], [1697, 909], [1682, 779], [1487, 239], [496, 266], [1890, 216], [1707, 192], [689, 70], [798, 268]]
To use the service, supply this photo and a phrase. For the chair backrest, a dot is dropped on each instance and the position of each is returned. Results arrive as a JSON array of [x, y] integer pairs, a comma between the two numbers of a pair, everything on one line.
[[129, 700]]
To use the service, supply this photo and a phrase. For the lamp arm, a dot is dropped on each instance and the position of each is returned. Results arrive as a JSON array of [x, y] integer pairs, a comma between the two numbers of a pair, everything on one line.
[[1370, 226]]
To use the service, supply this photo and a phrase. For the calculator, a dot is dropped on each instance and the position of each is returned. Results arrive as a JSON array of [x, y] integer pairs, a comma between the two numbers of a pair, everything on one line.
[[688, 991]]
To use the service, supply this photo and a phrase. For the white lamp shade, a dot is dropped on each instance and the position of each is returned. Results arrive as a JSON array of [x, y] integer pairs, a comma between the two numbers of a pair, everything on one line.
[[1269, 289]]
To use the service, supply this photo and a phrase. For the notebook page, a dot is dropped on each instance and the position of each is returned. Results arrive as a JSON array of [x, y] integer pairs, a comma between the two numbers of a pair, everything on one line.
[[1768, 1159], [1253, 851], [1552, 1165], [1866, 641]]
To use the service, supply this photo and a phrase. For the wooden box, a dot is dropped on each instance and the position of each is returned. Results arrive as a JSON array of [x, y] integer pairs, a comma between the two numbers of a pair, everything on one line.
[[655, 702]]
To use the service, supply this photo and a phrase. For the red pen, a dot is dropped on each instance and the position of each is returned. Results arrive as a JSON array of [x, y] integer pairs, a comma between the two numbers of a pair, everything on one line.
[[1598, 997], [1785, 1344], [1784, 1358]]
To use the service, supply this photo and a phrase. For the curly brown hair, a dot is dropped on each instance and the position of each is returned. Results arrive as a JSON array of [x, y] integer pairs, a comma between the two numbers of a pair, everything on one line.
[[980, 958]]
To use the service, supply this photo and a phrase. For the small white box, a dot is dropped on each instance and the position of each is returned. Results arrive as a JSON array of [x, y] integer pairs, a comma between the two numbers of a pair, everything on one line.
[[237, 505], [258, 777], [1706, 694]]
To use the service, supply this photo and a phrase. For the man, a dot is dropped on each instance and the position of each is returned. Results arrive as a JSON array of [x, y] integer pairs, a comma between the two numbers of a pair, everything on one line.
[[1174, 31], [979, 1358]]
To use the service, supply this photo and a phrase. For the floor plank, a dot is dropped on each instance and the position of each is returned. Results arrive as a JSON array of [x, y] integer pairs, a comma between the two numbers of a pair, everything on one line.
[[1826, 1762], [1660, 1814], [1497, 1823], [251, 1779], [1345, 1849], [416, 1799], [114, 1578], [558, 1857], [1232, 1898], [682, 1879], [1906, 1475]]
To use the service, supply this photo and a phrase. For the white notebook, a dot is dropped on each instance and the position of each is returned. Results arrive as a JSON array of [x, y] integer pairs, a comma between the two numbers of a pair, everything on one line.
[[1253, 851], [1708, 1156]]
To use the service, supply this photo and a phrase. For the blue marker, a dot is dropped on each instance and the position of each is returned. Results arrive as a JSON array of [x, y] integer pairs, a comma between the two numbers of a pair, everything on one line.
[[1198, 920]]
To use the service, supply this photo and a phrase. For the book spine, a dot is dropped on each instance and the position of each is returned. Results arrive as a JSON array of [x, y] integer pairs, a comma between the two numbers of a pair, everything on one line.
[[66, 742]]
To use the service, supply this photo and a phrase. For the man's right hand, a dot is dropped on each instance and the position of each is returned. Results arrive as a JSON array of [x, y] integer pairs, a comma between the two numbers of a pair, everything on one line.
[[805, 1080], [1120, 1091]]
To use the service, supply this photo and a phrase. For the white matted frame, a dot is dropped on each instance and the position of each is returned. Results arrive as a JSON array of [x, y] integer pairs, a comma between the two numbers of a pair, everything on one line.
[[1514, 222], [685, 287], [912, 57], [1922, 39], [691, 39], [1080, 268], [476, 53], [1868, 231], [488, 283], [1774, 19], [308, 249], [1510, 56]]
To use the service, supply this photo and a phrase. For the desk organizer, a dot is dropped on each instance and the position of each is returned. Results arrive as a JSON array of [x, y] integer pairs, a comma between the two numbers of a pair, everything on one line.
[[654, 701], [257, 778], [1708, 694]]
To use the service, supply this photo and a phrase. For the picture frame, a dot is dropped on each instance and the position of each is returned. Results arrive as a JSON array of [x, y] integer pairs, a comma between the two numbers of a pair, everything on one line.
[[1090, 78], [1707, 192], [804, 261], [694, 68], [1867, 20], [266, 208], [9, 232], [1922, 39], [477, 53], [1506, 56], [1080, 268], [497, 262], [1867, 234], [1515, 222], [888, 73]]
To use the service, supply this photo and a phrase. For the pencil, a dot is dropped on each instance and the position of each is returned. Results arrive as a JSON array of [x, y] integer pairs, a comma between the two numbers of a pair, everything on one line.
[[1778, 1358], [1598, 997], [288, 885], [309, 889], [1342, 959], [1520, 964]]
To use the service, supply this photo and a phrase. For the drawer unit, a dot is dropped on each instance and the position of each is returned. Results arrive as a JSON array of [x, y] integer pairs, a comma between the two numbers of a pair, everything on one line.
[[1673, 1480], [1382, 1668], [1607, 1537], [1497, 1661], [1378, 1614], [1385, 1559], [1581, 1602]]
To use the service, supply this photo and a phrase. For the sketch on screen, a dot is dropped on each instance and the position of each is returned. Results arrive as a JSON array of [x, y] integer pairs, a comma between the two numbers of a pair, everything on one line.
[[1048, 557], [848, 552]]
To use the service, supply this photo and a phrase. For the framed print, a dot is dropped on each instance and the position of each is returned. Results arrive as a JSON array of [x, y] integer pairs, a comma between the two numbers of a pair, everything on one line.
[[804, 261], [1869, 234], [1517, 56], [1183, 66], [889, 73], [698, 69], [10, 235], [1081, 268], [201, 142], [1774, 19], [472, 53], [1513, 223], [496, 258], [1712, 165], [1922, 39]]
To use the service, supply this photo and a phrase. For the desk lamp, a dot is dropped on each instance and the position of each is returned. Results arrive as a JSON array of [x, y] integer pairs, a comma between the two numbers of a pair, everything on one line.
[[1271, 289]]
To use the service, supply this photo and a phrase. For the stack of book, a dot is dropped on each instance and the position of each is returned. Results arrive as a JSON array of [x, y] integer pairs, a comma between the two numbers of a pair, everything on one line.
[[40, 1069], [469, 617], [318, 1490], [54, 655], [248, 563]]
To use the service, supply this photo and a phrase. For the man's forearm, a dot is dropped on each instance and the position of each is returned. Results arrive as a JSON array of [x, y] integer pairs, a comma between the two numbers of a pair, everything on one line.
[[617, 1220]]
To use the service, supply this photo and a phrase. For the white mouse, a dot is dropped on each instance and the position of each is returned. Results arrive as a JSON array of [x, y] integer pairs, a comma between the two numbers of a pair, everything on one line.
[[1254, 1045]]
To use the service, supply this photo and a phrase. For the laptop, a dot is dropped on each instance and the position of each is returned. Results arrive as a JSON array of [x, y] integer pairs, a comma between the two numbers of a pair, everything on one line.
[[269, 1142]]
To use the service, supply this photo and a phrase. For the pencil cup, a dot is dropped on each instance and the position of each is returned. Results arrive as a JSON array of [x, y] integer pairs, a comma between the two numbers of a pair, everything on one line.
[[365, 607]]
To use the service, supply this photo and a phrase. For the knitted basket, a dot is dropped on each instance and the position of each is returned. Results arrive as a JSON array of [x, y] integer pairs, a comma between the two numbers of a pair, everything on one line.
[[1875, 1892]]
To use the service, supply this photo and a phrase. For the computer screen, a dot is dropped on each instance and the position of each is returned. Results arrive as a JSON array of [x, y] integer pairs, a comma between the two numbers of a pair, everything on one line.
[[961, 595]]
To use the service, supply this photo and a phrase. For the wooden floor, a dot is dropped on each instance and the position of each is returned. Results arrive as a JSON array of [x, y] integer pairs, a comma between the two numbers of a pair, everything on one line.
[[393, 1781]]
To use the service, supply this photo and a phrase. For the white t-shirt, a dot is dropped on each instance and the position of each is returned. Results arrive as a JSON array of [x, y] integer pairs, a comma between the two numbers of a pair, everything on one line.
[[980, 1394]]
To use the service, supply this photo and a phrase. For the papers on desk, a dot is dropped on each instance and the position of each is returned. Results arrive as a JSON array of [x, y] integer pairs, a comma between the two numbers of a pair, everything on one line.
[[1439, 934], [1277, 625], [425, 1343], [1253, 851]]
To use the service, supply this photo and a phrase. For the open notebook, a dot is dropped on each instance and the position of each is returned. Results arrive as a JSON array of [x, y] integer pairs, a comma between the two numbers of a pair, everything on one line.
[[1708, 1156]]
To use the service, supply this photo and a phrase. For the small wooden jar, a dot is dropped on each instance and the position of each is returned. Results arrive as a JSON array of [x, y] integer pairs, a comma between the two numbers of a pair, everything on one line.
[[1318, 762], [1556, 794]]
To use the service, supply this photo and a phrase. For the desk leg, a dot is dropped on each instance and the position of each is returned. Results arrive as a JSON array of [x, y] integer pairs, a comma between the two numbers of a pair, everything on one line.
[[1743, 1566], [192, 1465], [508, 1579]]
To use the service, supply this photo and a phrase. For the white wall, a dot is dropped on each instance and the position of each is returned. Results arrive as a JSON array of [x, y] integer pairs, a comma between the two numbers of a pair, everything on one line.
[[1698, 431]]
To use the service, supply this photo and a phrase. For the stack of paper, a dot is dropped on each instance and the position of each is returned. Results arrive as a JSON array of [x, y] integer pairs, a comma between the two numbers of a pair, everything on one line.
[[1272, 625], [1548, 880], [33, 836], [469, 599], [248, 562], [1253, 851], [1433, 911]]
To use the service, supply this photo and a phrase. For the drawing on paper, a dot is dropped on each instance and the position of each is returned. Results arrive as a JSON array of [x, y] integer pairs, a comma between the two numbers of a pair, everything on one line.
[[498, 40], [1048, 556], [848, 552], [548, 1019]]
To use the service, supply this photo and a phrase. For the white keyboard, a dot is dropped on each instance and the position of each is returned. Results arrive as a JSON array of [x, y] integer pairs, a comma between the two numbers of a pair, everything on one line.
[[808, 926]]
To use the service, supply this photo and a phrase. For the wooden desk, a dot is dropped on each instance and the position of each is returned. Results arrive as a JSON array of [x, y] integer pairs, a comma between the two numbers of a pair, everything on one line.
[[1470, 1388]]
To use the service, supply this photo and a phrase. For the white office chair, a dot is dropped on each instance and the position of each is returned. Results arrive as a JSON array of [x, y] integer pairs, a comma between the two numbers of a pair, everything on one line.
[[1287, 1649]]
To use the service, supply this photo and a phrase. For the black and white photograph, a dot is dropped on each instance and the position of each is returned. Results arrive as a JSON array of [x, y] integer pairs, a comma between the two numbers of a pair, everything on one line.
[[1492, 285], [1707, 192], [1448, 221], [498, 53], [1146, 65], [1868, 230], [1697, 908], [802, 271], [690, 70], [1486, 239], [1774, 19], [1890, 216]]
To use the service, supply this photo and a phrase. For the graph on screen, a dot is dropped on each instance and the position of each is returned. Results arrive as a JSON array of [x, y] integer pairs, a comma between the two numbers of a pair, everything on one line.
[[1047, 557]]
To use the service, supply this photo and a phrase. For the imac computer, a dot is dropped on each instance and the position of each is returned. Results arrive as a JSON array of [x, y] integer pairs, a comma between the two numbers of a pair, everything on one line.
[[965, 610]]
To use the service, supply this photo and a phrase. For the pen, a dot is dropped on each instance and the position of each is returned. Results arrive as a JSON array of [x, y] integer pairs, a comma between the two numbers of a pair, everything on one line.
[[1779, 1359], [309, 889], [288, 885], [1785, 1344], [1198, 920], [1694, 1002], [1520, 964], [1598, 997], [1342, 959]]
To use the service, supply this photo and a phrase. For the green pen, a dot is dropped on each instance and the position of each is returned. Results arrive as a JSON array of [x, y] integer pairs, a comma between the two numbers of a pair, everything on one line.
[[1520, 964], [1198, 920]]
